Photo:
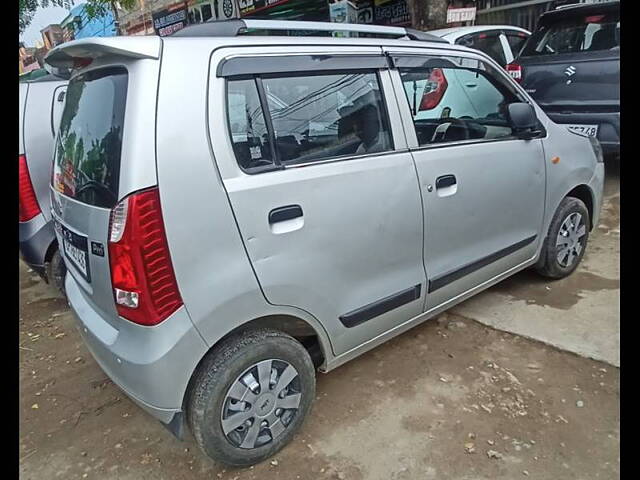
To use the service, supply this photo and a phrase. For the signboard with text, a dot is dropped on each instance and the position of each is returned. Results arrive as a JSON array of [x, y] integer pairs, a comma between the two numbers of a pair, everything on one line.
[[167, 21], [455, 15], [391, 12]]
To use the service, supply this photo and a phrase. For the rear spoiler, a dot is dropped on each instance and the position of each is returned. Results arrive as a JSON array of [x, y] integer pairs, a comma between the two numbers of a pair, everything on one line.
[[63, 59]]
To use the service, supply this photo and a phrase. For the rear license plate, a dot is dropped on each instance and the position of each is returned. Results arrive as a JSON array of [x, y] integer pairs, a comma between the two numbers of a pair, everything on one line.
[[586, 130], [75, 249]]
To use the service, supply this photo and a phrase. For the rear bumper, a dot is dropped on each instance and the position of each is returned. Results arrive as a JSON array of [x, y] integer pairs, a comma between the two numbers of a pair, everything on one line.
[[609, 123], [35, 237], [152, 365]]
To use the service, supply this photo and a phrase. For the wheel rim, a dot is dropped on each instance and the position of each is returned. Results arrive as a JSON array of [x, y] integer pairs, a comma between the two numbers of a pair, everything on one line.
[[570, 240], [261, 403]]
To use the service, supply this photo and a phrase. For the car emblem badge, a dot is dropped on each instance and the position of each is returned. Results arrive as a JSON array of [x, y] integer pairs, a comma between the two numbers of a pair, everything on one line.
[[569, 72]]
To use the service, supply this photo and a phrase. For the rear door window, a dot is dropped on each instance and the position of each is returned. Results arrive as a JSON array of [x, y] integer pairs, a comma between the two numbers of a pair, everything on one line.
[[89, 141], [282, 120], [316, 117], [584, 33]]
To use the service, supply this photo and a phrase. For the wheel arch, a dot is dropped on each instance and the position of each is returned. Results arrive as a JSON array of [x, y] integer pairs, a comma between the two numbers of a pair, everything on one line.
[[297, 327], [51, 250], [585, 194]]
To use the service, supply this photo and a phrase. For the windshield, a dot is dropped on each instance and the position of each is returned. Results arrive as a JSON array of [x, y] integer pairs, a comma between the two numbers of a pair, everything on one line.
[[87, 155], [585, 33]]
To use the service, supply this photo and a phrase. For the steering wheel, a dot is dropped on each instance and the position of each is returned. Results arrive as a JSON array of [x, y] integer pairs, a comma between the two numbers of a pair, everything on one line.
[[440, 134]]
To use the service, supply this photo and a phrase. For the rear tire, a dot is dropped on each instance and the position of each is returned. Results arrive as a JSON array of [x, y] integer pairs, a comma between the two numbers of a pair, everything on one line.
[[56, 271], [566, 240], [250, 396]]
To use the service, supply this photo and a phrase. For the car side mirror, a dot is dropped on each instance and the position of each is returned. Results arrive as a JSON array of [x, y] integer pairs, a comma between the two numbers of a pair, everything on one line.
[[524, 122]]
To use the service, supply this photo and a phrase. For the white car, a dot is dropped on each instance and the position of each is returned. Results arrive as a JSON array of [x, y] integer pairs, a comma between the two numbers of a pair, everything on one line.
[[500, 42]]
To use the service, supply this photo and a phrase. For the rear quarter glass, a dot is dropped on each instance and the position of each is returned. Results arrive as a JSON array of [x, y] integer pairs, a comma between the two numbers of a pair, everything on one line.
[[89, 143]]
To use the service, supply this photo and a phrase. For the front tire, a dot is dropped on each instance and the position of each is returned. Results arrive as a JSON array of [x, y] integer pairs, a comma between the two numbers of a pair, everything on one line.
[[250, 396], [566, 240]]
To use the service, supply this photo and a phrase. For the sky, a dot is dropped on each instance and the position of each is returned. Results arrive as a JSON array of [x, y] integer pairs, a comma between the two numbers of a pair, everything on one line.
[[42, 18]]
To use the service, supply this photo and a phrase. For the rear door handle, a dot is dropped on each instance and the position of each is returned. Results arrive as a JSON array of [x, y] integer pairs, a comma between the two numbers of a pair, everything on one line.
[[445, 181], [282, 214]]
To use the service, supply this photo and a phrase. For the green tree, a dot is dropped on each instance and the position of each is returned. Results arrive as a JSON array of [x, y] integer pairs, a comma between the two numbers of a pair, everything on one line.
[[94, 9], [27, 9]]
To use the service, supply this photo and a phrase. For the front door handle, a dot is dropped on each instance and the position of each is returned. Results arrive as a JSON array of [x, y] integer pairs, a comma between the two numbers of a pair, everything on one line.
[[446, 185], [445, 181], [282, 214]]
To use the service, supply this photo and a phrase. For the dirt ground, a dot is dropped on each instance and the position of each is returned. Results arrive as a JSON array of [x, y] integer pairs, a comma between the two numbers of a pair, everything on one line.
[[450, 399]]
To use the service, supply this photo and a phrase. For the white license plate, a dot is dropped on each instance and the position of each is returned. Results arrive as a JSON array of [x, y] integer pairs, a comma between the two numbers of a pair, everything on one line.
[[586, 130], [77, 256]]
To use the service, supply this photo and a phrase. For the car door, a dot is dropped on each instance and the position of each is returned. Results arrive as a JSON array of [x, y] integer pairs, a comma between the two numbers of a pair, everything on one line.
[[323, 188], [482, 187]]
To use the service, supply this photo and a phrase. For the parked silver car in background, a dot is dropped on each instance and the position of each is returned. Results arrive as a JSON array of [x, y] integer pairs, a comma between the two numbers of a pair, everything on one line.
[[501, 42], [41, 103], [239, 210]]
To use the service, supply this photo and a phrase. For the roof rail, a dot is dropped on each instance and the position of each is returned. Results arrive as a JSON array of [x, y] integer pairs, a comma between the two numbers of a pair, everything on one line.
[[235, 27]]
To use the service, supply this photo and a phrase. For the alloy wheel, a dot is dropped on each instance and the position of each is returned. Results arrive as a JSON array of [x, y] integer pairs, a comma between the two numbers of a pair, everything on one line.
[[261, 403], [570, 239]]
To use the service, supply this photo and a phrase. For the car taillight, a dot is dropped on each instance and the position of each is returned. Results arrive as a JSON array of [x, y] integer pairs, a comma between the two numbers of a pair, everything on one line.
[[437, 84], [515, 71], [144, 283], [27, 202]]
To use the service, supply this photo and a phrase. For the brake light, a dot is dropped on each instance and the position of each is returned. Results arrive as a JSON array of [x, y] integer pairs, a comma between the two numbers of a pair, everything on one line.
[[594, 19], [144, 283], [438, 86], [515, 71], [81, 62], [27, 202]]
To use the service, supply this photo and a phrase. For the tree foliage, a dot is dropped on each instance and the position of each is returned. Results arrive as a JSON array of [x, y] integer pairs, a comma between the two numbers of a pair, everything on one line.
[[94, 8], [99, 8], [27, 9]]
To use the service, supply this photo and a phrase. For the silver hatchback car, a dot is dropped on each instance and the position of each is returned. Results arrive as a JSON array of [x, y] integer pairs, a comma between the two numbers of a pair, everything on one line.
[[238, 210]]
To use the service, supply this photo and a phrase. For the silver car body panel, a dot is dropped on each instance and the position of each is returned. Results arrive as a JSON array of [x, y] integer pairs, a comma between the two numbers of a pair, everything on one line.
[[39, 127], [231, 268], [39, 114]]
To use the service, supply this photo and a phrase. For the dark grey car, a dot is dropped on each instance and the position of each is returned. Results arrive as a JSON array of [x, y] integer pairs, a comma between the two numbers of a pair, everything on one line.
[[571, 67]]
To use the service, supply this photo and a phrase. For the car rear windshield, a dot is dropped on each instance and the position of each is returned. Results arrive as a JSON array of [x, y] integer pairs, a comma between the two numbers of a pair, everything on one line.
[[577, 33], [88, 146]]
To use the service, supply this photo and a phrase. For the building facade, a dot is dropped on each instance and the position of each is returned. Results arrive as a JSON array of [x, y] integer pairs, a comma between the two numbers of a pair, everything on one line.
[[163, 17], [27, 59], [52, 35]]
